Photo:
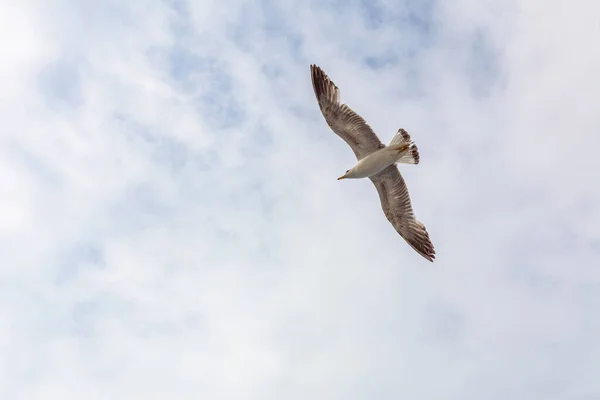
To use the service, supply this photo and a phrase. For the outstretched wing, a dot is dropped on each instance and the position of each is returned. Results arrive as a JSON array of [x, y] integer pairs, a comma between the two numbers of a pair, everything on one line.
[[397, 208], [341, 119]]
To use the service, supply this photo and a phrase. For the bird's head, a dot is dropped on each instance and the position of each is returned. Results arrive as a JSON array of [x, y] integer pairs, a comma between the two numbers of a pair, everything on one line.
[[346, 175]]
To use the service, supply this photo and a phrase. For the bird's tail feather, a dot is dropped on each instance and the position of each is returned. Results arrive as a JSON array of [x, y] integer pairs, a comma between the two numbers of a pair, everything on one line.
[[405, 146]]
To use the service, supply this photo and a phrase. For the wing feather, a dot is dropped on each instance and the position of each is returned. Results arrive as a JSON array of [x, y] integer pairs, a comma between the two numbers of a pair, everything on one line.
[[397, 208], [346, 123]]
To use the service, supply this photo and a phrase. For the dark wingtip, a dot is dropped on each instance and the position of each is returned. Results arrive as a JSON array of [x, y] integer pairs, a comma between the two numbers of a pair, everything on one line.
[[429, 255], [321, 82]]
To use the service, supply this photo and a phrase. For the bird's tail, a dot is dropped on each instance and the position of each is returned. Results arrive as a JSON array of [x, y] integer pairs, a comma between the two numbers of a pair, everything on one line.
[[409, 153]]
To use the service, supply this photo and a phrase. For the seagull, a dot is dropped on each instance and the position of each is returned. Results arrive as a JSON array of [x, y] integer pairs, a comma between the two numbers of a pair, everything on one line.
[[375, 161]]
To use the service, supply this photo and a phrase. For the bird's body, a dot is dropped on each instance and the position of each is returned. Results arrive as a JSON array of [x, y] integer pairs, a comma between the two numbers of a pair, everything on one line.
[[375, 161], [373, 164]]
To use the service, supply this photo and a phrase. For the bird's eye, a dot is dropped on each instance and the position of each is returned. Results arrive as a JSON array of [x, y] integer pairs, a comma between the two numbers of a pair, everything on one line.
[[347, 171]]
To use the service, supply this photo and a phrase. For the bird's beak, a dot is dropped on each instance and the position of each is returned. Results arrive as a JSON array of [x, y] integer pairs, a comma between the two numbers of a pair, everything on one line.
[[341, 177]]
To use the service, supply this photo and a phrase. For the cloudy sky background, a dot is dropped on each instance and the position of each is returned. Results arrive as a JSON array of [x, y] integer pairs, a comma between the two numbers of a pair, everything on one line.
[[171, 225]]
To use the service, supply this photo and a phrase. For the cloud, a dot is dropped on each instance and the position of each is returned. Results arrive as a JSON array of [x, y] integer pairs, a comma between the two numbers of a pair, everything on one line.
[[171, 225]]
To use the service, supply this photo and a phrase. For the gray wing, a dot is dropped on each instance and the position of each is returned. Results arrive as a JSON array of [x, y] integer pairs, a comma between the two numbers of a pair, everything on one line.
[[397, 208], [341, 119]]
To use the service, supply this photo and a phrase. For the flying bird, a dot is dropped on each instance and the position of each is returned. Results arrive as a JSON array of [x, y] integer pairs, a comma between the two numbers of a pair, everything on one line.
[[375, 161]]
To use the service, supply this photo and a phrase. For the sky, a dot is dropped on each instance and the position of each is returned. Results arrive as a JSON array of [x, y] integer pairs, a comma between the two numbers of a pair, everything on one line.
[[171, 225]]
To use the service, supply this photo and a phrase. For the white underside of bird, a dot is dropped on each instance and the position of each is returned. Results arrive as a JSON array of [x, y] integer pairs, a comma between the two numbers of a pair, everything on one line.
[[396, 152]]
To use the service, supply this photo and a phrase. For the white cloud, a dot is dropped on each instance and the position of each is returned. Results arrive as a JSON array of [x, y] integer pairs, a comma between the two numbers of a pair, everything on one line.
[[171, 225]]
